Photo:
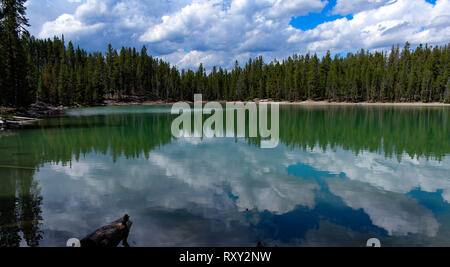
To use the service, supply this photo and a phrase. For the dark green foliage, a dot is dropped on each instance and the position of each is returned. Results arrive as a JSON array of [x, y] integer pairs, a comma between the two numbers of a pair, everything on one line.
[[406, 76], [15, 81], [64, 76], [50, 71]]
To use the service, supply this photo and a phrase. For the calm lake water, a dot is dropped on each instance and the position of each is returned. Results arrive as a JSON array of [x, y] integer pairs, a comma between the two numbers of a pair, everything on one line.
[[340, 176]]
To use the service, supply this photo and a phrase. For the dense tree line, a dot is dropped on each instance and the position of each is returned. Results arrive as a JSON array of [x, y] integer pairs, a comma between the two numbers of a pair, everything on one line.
[[53, 72], [14, 57]]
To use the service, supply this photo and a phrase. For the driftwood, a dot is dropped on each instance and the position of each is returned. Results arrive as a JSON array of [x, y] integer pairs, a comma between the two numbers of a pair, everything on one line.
[[16, 122], [17, 118], [110, 235]]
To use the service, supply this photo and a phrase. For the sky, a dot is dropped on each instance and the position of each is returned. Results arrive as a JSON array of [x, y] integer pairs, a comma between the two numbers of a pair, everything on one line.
[[219, 32]]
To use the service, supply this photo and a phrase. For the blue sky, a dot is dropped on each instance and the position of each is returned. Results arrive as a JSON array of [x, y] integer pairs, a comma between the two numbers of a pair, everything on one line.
[[218, 32], [312, 20]]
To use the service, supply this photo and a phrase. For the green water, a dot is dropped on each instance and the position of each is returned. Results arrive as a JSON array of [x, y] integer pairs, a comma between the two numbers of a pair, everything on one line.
[[340, 176]]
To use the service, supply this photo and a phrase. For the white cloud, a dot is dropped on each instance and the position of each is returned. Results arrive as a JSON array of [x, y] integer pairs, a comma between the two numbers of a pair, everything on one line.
[[402, 216], [173, 179], [404, 20], [345, 7], [379, 172], [283, 9], [211, 30], [111, 21], [268, 189], [218, 32], [67, 24], [209, 59], [229, 34]]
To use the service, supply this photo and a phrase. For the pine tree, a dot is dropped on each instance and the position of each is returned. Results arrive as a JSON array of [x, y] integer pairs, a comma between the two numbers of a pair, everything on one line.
[[3, 74], [15, 88], [47, 70], [313, 79], [447, 92], [333, 80]]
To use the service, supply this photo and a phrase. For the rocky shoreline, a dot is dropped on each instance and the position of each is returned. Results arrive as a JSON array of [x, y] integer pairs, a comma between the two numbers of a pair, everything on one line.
[[15, 122], [11, 118]]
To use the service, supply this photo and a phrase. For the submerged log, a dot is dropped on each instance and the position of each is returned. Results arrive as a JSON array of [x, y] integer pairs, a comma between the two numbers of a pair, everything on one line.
[[17, 122], [110, 235], [17, 118]]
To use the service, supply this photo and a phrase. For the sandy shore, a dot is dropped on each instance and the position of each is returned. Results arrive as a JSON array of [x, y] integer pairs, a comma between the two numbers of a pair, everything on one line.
[[301, 103], [145, 103], [326, 103]]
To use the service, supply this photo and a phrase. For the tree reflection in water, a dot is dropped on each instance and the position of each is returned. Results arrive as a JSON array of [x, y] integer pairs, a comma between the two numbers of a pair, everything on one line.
[[135, 131]]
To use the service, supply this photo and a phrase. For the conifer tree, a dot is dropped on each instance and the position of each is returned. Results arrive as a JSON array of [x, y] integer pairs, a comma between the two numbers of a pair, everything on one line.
[[15, 89]]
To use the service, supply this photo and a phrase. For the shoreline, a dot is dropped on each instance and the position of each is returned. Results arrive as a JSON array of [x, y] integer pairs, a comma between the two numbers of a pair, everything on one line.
[[299, 103], [398, 104]]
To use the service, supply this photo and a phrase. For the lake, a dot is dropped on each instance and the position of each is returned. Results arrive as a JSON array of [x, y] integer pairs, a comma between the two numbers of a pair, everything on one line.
[[340, 175]]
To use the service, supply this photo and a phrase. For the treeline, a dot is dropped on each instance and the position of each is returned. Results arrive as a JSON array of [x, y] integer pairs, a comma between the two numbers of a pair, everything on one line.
[[70, 76], [53, 72]]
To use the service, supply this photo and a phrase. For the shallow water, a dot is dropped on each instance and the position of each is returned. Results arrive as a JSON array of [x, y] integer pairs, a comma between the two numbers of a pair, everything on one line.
[[340, 176]]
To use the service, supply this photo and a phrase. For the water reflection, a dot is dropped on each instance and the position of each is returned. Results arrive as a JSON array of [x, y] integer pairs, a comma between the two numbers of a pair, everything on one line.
[[333, 180], [20, 208]]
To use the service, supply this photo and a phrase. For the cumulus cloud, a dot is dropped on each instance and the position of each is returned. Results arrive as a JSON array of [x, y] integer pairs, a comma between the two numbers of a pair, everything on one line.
[[345, 7], [401, 217], [67, 24], [379, 28], [95, 23], [226, 33], [218, 32], [213, 33], [268, 189], [389, 175]]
